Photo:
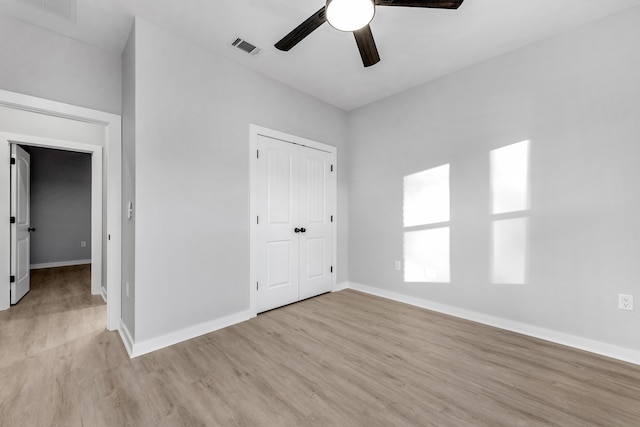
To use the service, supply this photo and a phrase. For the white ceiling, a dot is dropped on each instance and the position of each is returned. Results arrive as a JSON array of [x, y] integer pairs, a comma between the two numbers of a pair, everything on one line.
[[416, 45]]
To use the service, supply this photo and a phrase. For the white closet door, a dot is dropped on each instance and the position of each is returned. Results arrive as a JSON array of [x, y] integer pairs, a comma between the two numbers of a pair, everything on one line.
[[315, 220], [278, 244]]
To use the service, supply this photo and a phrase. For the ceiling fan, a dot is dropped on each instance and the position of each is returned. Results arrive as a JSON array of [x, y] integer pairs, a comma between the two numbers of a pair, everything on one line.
[[355, 16]]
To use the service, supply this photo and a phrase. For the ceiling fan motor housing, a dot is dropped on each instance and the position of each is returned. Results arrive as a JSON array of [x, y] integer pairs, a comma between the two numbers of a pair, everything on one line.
[[349, 15]]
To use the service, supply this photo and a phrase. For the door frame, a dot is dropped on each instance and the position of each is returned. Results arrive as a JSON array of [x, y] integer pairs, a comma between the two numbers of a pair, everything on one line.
[[110, 153], [96, 191], [254, 132]]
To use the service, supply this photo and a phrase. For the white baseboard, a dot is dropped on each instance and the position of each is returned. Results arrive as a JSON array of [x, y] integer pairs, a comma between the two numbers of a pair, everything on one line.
[[60, 264], [592, 346], [127, 340], [136, 349], [103, 293], [340, 286]]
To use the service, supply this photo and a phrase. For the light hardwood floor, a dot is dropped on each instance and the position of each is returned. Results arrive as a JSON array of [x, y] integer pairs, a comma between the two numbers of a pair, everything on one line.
[[341, 359]]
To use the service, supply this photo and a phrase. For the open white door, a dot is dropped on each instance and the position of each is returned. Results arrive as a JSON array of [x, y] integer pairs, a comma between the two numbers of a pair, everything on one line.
[[20, 223]]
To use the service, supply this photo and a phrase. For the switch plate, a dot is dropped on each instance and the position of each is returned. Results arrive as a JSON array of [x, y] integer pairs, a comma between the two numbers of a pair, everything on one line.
[[398, 266], [625, 302], [83, 244]]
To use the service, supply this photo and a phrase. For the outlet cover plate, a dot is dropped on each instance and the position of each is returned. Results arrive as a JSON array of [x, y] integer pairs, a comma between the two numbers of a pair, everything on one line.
[[625, 302]]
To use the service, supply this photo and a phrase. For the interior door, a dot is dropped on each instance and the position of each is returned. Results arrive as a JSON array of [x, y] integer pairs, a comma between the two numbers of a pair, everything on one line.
[[315, 219], [278, 244], [20, 226]]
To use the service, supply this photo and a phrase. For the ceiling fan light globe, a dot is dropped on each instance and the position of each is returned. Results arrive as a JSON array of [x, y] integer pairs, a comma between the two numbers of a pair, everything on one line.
[[349, 15]]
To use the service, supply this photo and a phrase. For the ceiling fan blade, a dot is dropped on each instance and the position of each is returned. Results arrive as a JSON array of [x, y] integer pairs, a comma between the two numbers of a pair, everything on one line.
[[438, 4], [302, 30], [367, 46]]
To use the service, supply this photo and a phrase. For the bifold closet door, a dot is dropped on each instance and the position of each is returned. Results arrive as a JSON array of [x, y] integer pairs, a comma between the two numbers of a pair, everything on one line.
[[294, 223], [278, 245], [315, 218]]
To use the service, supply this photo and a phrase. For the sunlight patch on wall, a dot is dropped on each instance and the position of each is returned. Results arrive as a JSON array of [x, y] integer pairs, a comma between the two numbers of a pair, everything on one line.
[[426, 255], [426, 213], [426, 197], [510, 205], [510, 178], [509, 250]]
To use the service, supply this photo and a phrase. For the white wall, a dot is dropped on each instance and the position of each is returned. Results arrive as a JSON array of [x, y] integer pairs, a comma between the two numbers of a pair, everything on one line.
[[42, 63], [192, 115], [47, 65], [36, 124], [128, 181], [577, 98]]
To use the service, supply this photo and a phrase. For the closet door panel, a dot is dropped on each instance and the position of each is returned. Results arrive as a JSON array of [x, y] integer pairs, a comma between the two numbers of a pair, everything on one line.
[[278, 215], [315, 217]]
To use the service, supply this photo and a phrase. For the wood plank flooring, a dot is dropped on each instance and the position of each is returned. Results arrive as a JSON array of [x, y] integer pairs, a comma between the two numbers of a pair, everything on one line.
[[341, 359]]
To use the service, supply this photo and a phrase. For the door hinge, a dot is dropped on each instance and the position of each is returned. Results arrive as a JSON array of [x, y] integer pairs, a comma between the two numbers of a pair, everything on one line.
[[257, 220], [331, 168], [108, 236], [332, 268], [331, 218], [257, 154], [12, 279], [12, 220], [257, 286], [12, 161]]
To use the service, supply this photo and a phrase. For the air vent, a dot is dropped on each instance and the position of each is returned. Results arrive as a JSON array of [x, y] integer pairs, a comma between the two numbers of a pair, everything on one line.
[[63, 8], [245, 46]]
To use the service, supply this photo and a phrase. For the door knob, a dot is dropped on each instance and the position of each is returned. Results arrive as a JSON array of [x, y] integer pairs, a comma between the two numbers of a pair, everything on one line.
[[297, 230], [303, 230], [31, 229]]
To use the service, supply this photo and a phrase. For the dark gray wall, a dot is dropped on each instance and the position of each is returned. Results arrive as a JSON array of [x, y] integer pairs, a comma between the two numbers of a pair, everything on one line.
[[60, 205]]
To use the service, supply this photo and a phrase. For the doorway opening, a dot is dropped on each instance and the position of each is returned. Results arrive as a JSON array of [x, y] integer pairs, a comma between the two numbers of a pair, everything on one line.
[[22, 227], [32, 121], [56, 215]]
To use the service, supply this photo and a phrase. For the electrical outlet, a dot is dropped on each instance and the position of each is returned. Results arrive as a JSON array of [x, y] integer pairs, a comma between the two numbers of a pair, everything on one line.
[[398, 266], [126, 289], [83, 244], [625, 302]]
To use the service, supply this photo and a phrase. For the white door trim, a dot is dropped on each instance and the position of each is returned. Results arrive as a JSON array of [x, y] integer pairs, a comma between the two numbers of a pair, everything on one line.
[[96, 192], [112, 152], [254, 132]]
